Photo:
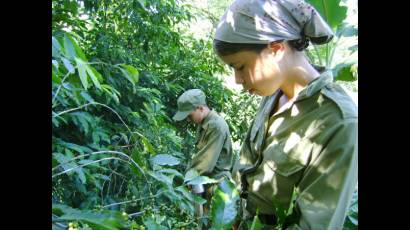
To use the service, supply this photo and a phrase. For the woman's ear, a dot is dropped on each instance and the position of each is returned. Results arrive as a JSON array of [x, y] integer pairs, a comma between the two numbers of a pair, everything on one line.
[[277, 49]]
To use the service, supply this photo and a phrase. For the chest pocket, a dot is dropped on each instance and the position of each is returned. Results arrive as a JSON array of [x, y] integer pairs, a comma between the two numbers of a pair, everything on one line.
[[280, 161], [201, 140]]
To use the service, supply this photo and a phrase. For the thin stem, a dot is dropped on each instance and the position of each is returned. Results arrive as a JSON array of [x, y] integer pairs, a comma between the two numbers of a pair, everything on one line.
[[102, 152], [80, 166], [94, 103], [318, 55], [59, 87], [133, 200], [327, 54]]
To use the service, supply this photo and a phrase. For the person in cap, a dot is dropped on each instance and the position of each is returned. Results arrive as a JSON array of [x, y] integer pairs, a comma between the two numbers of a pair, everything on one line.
[[213, 156], [302, 142]]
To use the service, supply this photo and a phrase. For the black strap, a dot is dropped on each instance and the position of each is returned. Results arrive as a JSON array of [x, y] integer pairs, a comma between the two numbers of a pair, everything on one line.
[[244, 183]]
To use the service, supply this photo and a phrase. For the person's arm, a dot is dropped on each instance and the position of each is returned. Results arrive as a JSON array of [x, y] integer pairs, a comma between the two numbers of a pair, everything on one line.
[[204, 161], [329, 181]]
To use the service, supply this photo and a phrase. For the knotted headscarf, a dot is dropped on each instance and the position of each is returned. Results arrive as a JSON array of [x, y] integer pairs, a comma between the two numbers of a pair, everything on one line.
[[264, 21]]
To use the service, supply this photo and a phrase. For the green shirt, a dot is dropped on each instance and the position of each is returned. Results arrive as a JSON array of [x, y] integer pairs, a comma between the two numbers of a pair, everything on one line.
[[214, 149], [311, 146]]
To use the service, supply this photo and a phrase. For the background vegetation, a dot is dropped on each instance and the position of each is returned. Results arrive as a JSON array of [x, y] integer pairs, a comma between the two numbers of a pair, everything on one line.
[[117, 69]]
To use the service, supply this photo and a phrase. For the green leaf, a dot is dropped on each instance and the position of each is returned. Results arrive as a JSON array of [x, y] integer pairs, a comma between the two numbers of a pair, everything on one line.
[[165, 159], [82, 72], [331, 11], [55, 78], [60, 209], [172, 172], [148, 147], [55, 64], [151, 224], [128, 76], [162, 178], [68, 66], [72, 49], [68, 47], [94, 75], [349, 31], [86, 96], [103, 221], [224, 205], [191, 174], [190, 196], [256, 223], [64, 161], [56, 47], [81, 175], [133, 72], [111, 91], [345, 72], [202, 180]]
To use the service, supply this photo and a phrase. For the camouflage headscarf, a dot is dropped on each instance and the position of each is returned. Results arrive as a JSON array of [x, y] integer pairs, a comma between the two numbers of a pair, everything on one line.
[[264, 21]]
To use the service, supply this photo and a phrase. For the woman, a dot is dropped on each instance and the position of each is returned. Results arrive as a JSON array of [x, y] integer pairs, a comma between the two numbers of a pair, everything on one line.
[[303, 139]]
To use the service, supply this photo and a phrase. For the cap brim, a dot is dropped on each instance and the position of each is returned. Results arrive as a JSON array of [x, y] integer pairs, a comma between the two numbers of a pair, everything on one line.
[[179, 116]]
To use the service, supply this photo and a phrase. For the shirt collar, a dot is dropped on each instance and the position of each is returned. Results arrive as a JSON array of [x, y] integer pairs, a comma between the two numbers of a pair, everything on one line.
[[207, 119], [316, 85]]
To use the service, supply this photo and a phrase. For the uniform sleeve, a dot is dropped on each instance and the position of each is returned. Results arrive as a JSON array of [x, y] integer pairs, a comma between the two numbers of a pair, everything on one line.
[[205, 159], [329, 181]]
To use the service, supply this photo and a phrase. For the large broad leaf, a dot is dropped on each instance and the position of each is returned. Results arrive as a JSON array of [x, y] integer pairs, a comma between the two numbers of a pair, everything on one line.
[[81, 66], [151, 224], [107, 220], [147, 145], [72, 49], [165, 159], [128, 76], [224, 205], [94, 75], [190, 196], [331, 11], [68, 66], [132, 72], [162, 178], [172, 172], [256, 224], [191, 174], [56, 47], [345, 72]]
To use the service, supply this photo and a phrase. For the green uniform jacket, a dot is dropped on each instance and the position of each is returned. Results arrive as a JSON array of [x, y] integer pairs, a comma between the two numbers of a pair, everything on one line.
[[214, 148], [312, 146]]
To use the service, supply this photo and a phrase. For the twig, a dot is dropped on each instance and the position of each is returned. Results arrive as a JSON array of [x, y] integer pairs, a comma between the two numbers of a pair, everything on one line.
[[80, 166], [102, 152], [318, 55], [136, 214], [133, 200], [59, 87], [119, 190], [94, 103], [140, 213]]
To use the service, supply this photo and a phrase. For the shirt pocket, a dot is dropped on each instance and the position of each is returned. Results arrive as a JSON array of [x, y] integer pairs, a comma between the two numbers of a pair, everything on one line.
[[281, 162]]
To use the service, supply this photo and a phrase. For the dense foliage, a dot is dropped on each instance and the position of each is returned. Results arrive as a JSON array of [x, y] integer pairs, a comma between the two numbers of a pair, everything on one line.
[[118, 159]]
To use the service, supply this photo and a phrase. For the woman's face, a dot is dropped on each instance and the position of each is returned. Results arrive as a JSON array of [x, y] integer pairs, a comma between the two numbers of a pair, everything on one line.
[[258, 73]]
